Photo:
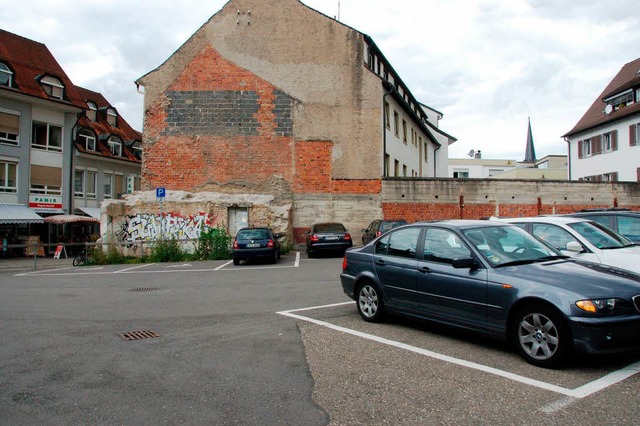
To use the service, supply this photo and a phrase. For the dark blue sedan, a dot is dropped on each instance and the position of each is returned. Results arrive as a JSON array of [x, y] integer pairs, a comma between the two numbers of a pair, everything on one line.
[[498, 280]]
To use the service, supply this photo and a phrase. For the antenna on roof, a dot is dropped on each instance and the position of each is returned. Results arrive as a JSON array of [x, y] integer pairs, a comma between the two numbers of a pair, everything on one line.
[[471, 153], [338, 10]]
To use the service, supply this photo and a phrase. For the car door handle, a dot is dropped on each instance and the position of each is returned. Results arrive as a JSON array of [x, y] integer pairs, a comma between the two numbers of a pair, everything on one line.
[[379, 262], [425, 270]]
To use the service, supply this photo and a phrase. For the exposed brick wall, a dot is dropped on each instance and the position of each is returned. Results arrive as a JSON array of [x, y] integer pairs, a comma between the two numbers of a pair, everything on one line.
[[217, 123], [313, 172]]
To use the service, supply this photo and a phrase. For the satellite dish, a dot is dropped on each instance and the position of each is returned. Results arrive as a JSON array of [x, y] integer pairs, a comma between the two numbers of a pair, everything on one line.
[[471, 153], [608, 109]]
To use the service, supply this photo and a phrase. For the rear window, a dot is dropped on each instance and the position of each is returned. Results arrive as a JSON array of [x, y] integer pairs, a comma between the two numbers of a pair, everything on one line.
[[385, 226], [253, 234], [329, 227]]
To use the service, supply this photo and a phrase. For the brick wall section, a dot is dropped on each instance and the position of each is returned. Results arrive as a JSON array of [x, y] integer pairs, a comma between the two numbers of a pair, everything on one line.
[[313, 172], [217, 123]]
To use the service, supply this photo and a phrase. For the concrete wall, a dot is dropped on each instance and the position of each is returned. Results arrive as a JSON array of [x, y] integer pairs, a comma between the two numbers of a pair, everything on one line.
[[433, 199]]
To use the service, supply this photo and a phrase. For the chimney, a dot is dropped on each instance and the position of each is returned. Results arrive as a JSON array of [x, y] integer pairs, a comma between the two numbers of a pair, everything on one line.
[[478, 155]]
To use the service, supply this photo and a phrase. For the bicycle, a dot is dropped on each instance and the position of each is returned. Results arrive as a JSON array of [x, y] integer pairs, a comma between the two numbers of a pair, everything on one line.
[[82, 258]]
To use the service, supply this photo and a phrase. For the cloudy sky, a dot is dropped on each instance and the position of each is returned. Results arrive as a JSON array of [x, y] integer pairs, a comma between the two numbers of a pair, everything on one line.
[[487, 65]]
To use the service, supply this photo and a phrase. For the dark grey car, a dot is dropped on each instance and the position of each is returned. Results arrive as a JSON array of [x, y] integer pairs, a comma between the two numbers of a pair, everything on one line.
[[379, 227], [498, 280]]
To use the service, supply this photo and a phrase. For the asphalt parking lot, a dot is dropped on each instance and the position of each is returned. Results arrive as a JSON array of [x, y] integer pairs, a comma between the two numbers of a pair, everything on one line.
[[213, 343]]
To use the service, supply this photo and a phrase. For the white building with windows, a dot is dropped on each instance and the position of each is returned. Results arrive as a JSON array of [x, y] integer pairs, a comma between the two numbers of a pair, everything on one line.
[[62, 148], [605, 143]]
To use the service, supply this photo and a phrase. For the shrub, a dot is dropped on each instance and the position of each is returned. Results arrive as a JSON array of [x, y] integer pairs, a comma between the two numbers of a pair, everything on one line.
[[166, 251], [214, 244]]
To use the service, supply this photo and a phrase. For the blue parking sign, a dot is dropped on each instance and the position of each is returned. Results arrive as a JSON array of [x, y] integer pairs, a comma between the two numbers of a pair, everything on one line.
[[161, 192]]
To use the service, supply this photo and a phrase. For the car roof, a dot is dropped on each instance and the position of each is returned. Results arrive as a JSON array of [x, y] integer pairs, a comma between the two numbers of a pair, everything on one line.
[[464, 223], [563, 220], [605, 213]]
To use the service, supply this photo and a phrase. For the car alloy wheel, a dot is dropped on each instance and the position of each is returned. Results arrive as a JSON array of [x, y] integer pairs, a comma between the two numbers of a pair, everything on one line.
[[541, 336], [370, 305]]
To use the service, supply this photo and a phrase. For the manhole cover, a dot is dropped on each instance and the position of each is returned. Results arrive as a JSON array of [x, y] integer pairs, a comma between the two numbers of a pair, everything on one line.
[[139, 335], [140, 289]]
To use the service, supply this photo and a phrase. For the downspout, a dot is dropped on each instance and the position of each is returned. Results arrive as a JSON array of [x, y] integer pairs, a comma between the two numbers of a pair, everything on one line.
[[388, 88], [435, 161], [568, 155]]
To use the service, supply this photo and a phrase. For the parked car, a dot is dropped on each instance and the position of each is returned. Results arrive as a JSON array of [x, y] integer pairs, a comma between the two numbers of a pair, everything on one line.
[[256, 243], [327, 237], [622, 221], [494, 278], [379, 227], [582, 239]]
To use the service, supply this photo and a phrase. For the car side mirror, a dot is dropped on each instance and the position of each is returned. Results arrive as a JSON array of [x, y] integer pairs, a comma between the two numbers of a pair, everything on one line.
[[464, 262], [574, 247], [279, 235]]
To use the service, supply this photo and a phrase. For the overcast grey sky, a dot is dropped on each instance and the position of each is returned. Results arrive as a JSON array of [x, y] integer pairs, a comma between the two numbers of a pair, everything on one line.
[[486, 64]]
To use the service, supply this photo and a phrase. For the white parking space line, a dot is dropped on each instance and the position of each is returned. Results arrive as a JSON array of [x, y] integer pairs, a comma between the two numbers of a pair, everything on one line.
[[24, 274], [132, 268], [580, 392], [222, 266], [297, 262]]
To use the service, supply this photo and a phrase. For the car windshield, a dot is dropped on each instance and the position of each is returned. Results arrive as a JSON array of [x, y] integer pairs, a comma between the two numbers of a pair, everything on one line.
[[253, 234], [509, 245], [328, 227], [385, 226], [599, 236]]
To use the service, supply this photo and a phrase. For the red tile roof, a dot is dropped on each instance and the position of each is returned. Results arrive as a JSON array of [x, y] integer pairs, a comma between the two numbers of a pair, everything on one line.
[[626, 78], [29, 61], [102, 128]]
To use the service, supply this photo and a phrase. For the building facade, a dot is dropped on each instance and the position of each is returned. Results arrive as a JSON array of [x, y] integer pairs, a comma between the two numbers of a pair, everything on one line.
[[605, 143], [256, 102], [45, 130]]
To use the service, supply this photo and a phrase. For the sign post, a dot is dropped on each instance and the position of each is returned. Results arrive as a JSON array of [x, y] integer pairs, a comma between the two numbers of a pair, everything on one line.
[[160, 194]]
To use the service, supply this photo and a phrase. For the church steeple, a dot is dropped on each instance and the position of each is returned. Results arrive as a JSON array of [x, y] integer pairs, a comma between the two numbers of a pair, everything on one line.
[[530, 154]]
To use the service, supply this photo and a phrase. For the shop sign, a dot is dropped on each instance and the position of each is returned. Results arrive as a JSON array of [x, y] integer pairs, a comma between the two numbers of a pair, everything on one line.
[[46, 203]]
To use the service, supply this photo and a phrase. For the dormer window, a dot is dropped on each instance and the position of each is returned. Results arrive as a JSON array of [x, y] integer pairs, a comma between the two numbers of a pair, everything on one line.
[[112, 117], [87, 139], [6, 75], [115, 146], [620, 100], [91, 112], [52, 87]]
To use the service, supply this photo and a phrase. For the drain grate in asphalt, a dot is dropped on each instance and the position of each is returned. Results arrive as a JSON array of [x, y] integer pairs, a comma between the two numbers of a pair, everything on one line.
[[140, 289], [139, 335]]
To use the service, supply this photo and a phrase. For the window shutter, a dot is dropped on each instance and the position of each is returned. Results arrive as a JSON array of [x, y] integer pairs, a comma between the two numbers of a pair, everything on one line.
[[614, 177], [614, 140], [638, 174], [632, 135], [597, 145], [579, 149]]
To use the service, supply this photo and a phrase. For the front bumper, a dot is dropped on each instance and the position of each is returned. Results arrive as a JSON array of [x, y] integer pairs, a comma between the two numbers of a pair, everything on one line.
[[606, 335]]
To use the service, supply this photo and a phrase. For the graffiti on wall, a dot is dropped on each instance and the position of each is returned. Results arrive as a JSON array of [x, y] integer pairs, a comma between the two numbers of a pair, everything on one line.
[[168, 226]]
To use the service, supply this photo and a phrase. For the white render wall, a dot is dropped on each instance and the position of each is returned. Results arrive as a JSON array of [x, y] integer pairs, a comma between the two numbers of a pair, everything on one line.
[[625, 160]]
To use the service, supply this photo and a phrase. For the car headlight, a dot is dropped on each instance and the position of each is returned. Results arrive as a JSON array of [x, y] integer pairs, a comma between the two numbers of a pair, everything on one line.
[[603, 306]]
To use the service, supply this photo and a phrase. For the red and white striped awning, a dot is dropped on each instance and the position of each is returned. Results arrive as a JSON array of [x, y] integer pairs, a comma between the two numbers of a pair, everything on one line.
[[70, 218]]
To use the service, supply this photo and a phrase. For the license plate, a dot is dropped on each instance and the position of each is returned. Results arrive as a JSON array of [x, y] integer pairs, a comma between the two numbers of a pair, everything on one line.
[[253, 245], [331, 238]]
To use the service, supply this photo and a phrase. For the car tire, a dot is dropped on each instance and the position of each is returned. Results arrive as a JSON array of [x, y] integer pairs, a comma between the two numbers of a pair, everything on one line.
[[236, 261], [310, 253], [369, 302], [541, 335], [274, 258]]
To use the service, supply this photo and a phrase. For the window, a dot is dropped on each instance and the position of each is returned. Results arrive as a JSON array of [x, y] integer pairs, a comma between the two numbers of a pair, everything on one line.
[[396, 168], [401, 243], [461, 174], [621, 100], [442, 246], [404, 131], [586, 148], [553, 235], [46, 180], [426, 150], [387, 120], [112, 117], [86, 139], [8, 174], [91, 112], [92, 184], [634, 134], [386, 164], [78, 183], [396, 126], [108, 185], [52, 87], [115, 146], [6, 75], [493, 172], [118, 185], [47, 137], [9, 128], [610, 177], [404, 170]]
